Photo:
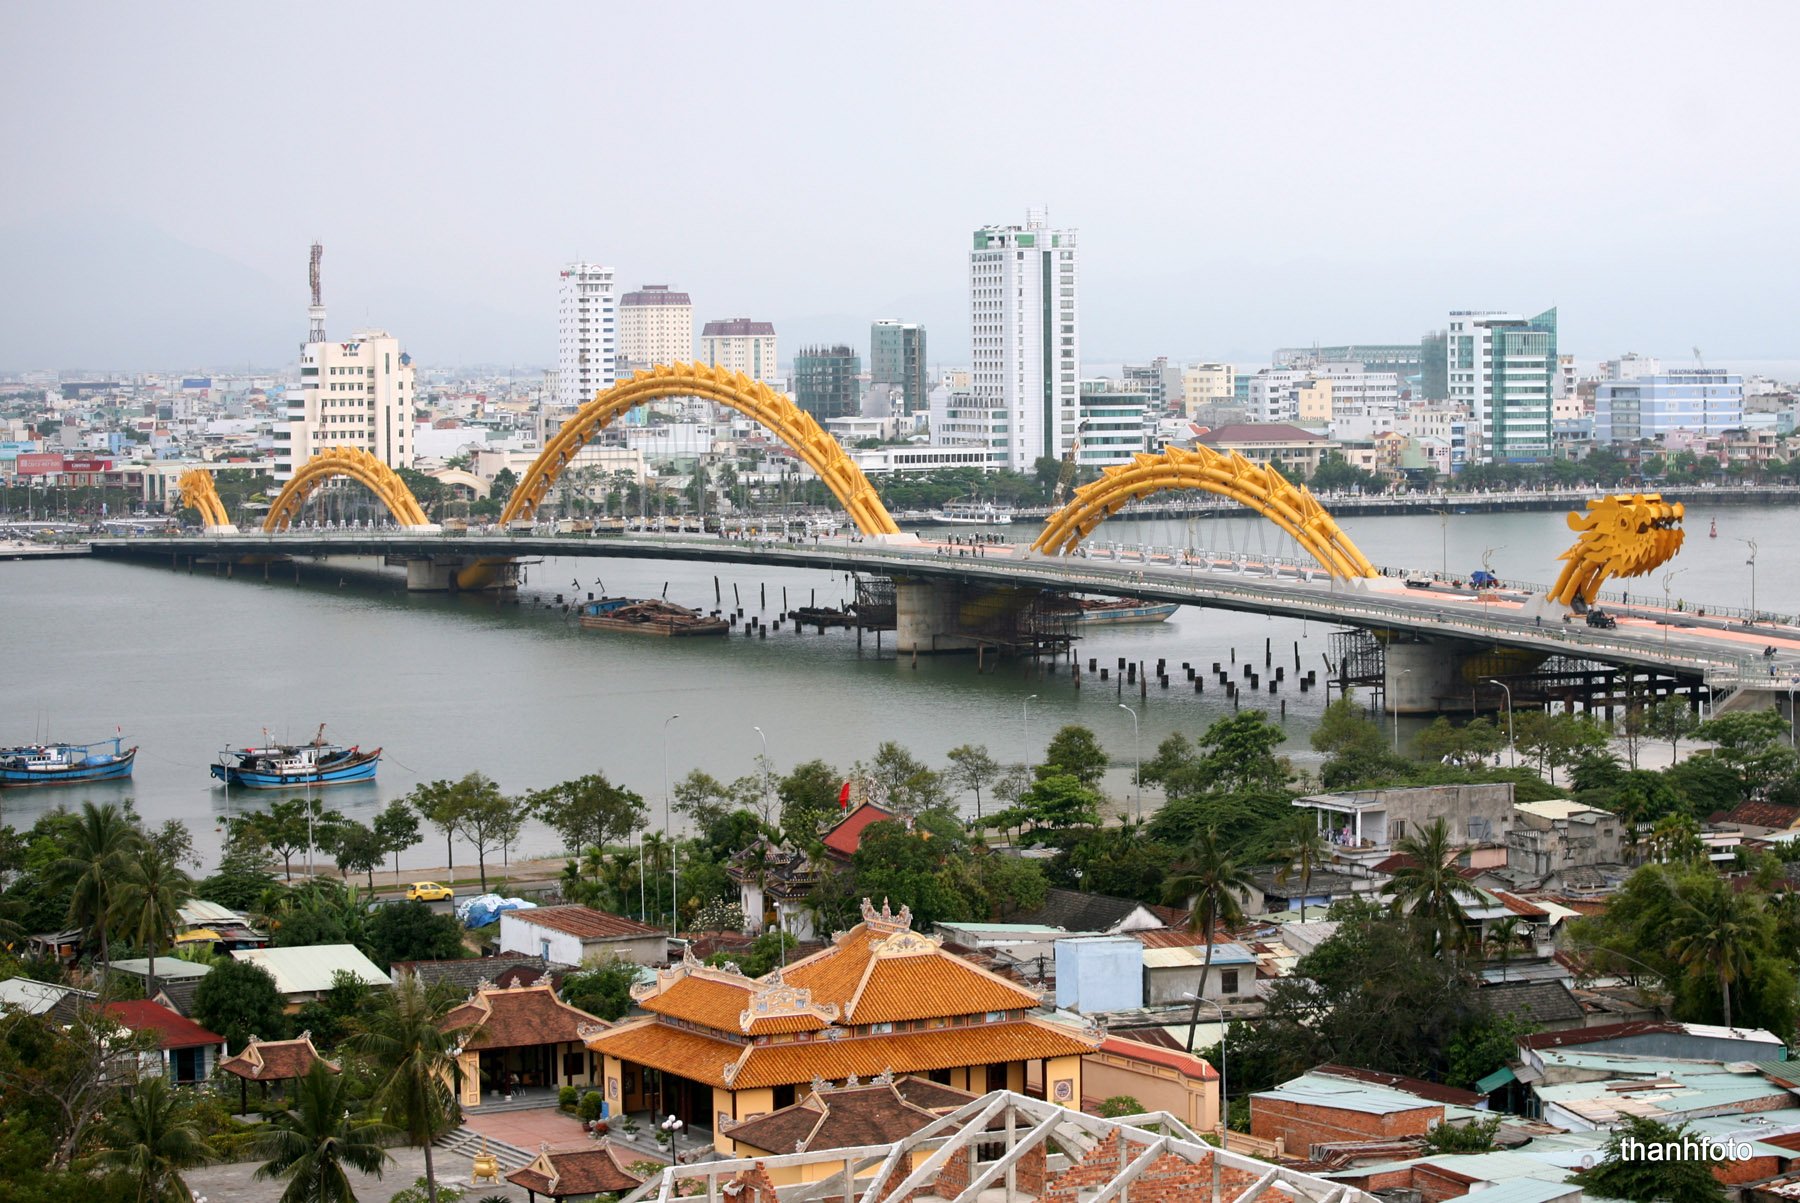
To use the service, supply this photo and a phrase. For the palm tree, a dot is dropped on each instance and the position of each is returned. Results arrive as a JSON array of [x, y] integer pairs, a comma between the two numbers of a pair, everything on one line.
[[1207, 874], [98, 845], [312, 1143], [1304, 852], [151, 891], [416, 1063], [150, 1135], [1427, 886], [1503, 937], [1717, 929]]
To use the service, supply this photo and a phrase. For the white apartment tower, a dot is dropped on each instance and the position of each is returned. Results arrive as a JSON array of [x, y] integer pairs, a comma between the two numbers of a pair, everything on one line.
[[586, 333], [656, 325], [357, 393], [1026, 321], [1502, 368]]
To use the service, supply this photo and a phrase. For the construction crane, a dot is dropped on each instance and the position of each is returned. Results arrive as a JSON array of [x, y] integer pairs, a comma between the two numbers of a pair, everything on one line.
[[1065, 479]]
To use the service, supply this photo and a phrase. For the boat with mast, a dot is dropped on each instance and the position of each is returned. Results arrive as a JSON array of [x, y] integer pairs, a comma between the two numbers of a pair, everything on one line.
[[289, 766], [65, 764]]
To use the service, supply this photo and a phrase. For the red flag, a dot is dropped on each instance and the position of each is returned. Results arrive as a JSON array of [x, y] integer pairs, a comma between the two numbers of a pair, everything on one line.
[[844, 797]]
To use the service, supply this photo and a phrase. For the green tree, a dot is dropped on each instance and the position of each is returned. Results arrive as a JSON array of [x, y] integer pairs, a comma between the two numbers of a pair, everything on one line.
[[602, 990], [99, 842], [151, 889], [151, 1135], [1355, 750], [1719, 930], [1304, 851], [972, 768], [1672, 719], [408, 1044], [1239, 754], [441, 803], [1648, 1162], [315, 1144], [397, 827], [1467, 745], [1075, 751], [238, 1000], [809, 799], [240, 880], [412, 931], [1055, 804], [503, 484], [1427, 886], [1752, 743], [1475, 1136], [484, 817], [1482, 1045], [1216, 885], [589, 812], [358, 849], [1119, 1105], [905, 783]]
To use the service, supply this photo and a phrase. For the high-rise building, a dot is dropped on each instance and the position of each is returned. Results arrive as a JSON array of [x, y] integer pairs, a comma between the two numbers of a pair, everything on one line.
[[1204, 385], [656, 325], [827, 382], [1112, 421], [1698, 400], [1153, 380], [897, 357], [358, 393], [741, 345], [587, 333], [1026, 323], [1502, 367]]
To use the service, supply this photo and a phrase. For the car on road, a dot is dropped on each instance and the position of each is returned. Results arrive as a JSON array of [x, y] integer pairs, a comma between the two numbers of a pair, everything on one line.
[[429, 891], [1601, 619]]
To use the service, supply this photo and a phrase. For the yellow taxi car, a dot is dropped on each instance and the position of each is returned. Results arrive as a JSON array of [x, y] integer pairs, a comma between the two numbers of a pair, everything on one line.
[[428, 891]]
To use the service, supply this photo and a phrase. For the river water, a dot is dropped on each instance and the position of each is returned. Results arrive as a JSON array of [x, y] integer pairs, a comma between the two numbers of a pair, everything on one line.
[[186, 665]]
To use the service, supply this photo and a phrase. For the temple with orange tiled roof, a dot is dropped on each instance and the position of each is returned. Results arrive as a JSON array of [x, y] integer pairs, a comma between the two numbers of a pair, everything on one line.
[[719, 1048]]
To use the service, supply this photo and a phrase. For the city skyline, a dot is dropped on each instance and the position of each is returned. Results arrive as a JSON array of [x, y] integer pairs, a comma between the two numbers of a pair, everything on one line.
[[1338, 198]]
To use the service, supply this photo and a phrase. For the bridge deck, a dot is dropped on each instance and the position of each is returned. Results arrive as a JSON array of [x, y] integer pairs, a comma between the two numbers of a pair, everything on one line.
[[1723, 653]]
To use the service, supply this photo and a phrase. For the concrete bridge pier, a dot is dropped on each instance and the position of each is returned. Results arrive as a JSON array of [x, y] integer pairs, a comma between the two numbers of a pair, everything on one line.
[[925, 618], [438, 574], [1434, 675]]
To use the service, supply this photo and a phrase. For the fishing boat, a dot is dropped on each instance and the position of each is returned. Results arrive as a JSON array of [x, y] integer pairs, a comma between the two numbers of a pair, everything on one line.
[[1118, 611], [973, 513], [649, 616], [289, 766], [65, 764]]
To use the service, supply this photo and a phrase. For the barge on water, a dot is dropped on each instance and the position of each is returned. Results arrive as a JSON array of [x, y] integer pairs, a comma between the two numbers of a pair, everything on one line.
[[291, 766], [1119, 611], [65, 764], [649, 616]]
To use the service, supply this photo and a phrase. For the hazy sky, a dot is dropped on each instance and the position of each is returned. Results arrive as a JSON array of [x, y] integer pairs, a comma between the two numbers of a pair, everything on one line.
[[1242, 175]]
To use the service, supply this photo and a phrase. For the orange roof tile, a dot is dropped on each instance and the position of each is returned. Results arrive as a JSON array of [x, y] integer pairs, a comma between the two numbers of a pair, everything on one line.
[[834, 973], [765, 1025], [702, 1000], [1137, 1050], [520, 1017], [703, 1059], [908, 1052], [660, 1046], [899, 988]]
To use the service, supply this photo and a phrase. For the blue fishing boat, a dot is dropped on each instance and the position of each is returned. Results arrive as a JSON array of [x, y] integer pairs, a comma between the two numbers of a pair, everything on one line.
[[296, 766], [65, 764], [1118, 611]]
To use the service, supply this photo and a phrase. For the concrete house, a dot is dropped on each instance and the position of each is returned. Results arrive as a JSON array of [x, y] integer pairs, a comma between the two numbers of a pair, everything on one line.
[[1364, 825], [575, 935]]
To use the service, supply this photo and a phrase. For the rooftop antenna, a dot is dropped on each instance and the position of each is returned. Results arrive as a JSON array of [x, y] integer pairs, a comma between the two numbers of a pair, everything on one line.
[[316, 314]]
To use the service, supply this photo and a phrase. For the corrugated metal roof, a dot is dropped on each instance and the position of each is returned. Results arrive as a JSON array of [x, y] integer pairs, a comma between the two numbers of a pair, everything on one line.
[[309, 969], [1228, 955], [1526, 1190], [1345, 1095], [198, 912], [168, 969]]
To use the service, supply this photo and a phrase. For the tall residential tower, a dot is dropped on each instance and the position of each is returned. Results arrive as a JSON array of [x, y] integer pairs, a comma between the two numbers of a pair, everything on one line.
[[587, 334], [656, 325], [356, 393], [1025, 319], [741, 345], [1502, 366], [897, 359]]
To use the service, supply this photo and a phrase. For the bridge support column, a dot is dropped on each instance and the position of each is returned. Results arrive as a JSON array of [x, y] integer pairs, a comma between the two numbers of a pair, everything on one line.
[[431, 576], [925, 619], [1432, 676]]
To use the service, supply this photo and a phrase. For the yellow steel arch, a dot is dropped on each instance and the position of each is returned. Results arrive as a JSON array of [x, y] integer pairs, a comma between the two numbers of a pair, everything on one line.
[[1620, 535], [1289, 506], [199, 492], [752, 398], [355, 464]]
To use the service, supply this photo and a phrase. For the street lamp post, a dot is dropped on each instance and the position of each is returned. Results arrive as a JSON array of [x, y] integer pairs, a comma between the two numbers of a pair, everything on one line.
[[765, 767], [1224, 1062], [1751, 544], [1394, 708], [1667, 581], [1025, 728], [1137, 762], [1512, 756], [674, 888]]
